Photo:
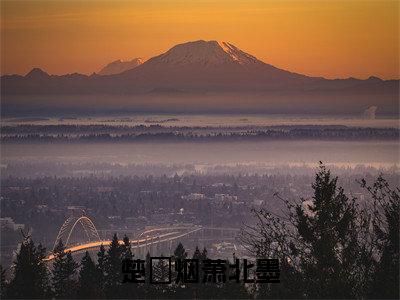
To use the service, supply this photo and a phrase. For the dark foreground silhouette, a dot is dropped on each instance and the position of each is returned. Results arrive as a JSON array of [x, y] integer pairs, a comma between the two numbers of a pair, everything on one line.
[[330, 246]]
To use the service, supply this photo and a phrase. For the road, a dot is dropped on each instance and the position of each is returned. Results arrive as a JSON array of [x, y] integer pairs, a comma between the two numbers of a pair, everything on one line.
[[138, 243]]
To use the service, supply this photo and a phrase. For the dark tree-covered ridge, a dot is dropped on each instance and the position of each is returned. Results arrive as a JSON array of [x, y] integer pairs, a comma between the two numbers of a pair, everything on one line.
[[331, 246]]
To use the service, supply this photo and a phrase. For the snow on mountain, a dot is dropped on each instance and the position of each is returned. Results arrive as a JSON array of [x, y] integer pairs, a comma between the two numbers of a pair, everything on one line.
[[207, 64], [120, 66], [206, 53], [210, 68]]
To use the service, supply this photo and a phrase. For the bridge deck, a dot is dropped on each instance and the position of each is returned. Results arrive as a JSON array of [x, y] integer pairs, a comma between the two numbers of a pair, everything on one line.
[[141, 242]]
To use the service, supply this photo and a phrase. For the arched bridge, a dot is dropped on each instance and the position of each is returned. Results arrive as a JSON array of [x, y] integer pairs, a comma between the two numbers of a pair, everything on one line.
[[148, 238], [69, 225]]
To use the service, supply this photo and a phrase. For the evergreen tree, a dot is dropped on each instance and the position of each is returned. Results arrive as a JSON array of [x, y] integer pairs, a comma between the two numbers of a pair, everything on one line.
[[126, 249], [180, 252], [202, 258], [385, 280], [30, 280], [197, 253], [318, 243], [64, 273], [147, 290], [88, 283], [148, 266], [179, 255], [128, 290], [101, 267], [113, 277], [327, 228], [200, 290], [204, 254]]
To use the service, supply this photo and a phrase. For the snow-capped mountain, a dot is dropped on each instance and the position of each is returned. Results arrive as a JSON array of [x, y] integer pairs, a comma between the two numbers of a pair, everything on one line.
[[209, 63], [206, 53], [203, 74], [120, 66]]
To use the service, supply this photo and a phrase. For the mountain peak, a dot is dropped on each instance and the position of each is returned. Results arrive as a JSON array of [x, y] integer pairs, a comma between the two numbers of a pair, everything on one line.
[[206, 53], [374, 78], [37, 73], [208, 63], [119, 66]]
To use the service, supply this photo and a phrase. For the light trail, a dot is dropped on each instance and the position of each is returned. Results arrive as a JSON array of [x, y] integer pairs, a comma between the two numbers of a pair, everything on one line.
[[141, 242], [97, 244]]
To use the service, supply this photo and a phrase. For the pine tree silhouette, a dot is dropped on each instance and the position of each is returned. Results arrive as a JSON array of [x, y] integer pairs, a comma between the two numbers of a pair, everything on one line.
[[180, 252], [128, 291], [88, 282], [64, 273], [101, 268], [385, 280], [327, 227], [196, 253], [126, 249], [30, 278], [113, 260], [322, 244]]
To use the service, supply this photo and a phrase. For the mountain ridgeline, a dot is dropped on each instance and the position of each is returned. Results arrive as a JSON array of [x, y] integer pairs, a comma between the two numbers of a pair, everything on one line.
[[120, 66], [200, 75]]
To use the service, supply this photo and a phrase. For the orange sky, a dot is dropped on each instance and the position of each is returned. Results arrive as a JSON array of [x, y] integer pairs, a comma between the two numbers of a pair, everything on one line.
[[334, 39]]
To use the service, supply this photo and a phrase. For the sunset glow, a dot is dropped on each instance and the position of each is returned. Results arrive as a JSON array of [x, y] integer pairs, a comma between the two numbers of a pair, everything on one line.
[[333, 39]]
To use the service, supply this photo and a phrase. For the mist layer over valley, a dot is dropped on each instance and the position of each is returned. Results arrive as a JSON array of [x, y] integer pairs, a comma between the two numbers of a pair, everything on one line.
[[197, 143]]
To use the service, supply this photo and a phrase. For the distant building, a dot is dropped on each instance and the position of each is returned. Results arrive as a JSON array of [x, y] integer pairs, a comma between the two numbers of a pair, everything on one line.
[[225, 198], [194, 196]]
